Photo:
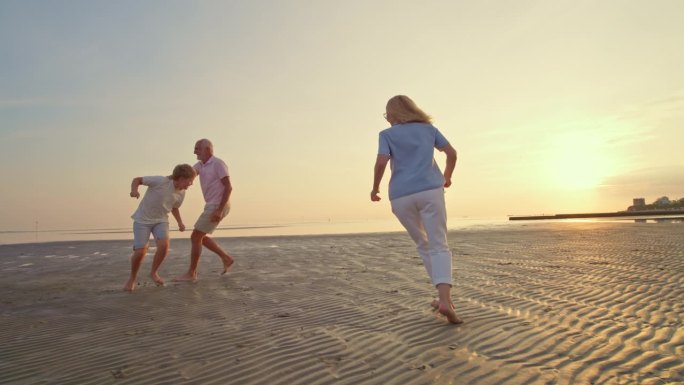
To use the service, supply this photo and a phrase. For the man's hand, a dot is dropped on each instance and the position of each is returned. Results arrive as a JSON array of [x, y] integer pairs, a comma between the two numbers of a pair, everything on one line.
[[216, 216], [181, 227], [135, 194], [374, 196]]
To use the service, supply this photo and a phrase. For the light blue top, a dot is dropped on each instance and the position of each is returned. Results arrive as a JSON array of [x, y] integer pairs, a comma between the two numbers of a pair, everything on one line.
[[411, 150]]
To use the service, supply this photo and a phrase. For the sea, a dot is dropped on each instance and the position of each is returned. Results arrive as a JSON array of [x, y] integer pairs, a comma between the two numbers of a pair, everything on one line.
[[239, 230], [284, 229]]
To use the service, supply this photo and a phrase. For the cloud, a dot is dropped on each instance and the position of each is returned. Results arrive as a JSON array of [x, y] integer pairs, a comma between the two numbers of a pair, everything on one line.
[[649, 183], [13, 103], [39, 102], [655, 112]]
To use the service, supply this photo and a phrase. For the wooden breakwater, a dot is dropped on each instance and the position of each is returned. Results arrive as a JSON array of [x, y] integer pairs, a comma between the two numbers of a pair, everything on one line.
[[645, 213]]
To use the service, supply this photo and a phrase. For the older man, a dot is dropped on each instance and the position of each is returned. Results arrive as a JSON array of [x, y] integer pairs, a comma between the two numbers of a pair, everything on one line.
[[216, 189]]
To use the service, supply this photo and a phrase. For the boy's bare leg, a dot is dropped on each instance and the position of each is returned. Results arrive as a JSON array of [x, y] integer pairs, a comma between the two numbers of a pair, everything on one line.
[[195, 252], [136, 261], [445, 304], [159, 255], [213, 246]]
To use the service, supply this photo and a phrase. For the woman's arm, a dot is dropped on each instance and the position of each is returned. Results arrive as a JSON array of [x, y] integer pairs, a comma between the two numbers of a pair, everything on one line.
[[450, 163], [378, 172]]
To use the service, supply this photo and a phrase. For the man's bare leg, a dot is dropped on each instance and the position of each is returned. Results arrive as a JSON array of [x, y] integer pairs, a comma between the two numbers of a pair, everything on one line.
[[213, 246], [136, 261], [445, 305], [159, 255], [195, 252]]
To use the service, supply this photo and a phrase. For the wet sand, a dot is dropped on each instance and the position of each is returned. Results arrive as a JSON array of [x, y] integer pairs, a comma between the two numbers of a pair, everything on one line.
[[584, 303]]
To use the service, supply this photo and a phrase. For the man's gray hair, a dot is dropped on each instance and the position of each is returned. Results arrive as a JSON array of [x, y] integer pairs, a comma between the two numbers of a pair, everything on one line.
[[207, 143]]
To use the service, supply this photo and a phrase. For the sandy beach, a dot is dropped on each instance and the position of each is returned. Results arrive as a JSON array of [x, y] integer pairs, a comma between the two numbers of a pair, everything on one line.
[[543, 303]]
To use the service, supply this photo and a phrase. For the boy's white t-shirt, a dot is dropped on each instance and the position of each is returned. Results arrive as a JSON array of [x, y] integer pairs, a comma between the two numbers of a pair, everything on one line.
[[159, 199]]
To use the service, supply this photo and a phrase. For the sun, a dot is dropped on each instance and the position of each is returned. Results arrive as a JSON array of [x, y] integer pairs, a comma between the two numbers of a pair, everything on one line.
[[575, 161]]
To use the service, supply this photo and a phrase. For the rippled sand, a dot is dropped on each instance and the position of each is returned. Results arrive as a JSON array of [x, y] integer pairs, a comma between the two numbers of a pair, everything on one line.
[[542, 304]]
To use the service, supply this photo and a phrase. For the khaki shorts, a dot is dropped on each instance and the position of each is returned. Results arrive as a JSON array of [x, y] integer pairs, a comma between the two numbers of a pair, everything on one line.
[[204, 223]]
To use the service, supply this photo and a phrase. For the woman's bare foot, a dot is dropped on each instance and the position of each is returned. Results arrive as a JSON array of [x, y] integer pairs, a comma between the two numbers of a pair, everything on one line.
[[157, 279], [450, 314], [130, 285], [227, 264], [435, 304], [187, 277]]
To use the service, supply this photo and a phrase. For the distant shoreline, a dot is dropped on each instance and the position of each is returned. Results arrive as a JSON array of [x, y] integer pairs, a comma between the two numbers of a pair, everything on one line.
[[646, 213], [241, 230]]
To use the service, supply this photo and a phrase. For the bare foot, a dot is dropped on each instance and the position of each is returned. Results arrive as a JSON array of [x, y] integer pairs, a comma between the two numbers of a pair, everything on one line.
[[129, 286], [450, 314], [227, 265], [187, 277], [435, 304], [157, 279]]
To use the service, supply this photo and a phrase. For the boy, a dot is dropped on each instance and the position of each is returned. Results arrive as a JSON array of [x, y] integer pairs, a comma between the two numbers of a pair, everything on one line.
[[164, 194]]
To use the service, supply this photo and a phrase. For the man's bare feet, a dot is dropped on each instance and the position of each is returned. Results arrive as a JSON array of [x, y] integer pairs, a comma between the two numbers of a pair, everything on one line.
[[129, 286], [227, 264], [157, 279], [187, 277], [450, 314]]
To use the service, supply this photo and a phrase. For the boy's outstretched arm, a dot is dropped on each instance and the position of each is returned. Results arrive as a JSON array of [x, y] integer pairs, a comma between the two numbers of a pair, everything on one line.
[[137, 181], [176, 214]]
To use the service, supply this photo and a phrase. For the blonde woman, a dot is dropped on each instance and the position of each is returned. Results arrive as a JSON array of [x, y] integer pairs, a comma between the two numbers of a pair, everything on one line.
[[416, 189]]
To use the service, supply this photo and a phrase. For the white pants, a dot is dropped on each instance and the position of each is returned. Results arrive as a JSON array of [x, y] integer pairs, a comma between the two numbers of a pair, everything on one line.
[[423, 215]]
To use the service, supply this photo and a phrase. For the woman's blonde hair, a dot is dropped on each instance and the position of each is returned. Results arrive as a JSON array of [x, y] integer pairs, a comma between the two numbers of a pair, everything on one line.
[[183, 171], [401, 109]]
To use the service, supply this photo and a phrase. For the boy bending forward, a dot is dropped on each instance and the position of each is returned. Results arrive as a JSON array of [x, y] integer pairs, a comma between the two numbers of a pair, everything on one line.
[[164, 194]]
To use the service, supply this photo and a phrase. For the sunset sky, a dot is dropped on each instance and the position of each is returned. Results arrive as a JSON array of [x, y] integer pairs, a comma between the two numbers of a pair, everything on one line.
[[553, 106]]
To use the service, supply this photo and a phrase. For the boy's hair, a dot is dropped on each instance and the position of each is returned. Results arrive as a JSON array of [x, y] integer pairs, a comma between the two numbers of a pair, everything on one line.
[[401, 109], [183, 171]]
